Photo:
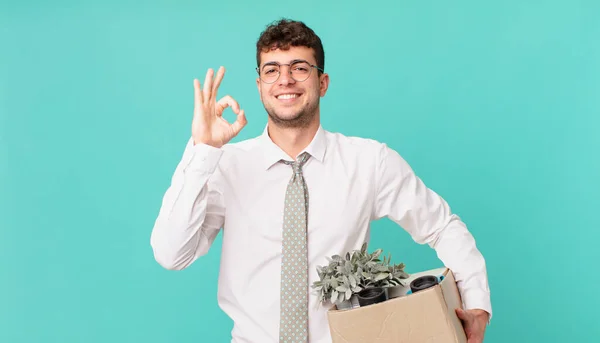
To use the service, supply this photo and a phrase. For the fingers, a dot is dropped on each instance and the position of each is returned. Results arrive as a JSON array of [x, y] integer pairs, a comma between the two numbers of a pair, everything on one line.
[[197, 94], [211, 84], [208, 82], [239, 123], [204, 97], [228, 101], [217, 83]]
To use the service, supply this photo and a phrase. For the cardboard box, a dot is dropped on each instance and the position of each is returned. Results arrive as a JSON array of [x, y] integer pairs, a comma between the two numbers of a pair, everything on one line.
[[425, 316]]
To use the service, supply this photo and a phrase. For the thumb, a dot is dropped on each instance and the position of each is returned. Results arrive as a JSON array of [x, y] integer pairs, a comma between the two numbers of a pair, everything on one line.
[[239, 123], [462, 314]]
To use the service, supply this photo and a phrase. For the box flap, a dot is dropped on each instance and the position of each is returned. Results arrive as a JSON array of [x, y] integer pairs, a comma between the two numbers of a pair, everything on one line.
[[453, 301]]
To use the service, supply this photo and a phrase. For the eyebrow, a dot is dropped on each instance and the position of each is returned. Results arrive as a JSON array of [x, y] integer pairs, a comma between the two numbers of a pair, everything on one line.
[[290, 62]]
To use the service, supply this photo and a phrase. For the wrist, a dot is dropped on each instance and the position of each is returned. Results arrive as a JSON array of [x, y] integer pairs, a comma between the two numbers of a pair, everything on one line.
[[481, 314]]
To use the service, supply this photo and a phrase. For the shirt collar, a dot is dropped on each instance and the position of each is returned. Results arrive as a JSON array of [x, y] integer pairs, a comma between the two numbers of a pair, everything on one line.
[[273, 153]]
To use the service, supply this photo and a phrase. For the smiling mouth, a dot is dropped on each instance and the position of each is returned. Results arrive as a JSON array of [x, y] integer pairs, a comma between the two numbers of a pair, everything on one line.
[[287, 96]]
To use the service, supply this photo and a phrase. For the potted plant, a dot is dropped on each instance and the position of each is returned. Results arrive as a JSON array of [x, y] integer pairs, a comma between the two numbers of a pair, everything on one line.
[[397, 288], [338, 282], [357, 279], [380, 276]]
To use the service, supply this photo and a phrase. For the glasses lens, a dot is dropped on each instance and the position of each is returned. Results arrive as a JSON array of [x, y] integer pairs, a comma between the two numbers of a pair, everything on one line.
[[300, 71], [269, 73]]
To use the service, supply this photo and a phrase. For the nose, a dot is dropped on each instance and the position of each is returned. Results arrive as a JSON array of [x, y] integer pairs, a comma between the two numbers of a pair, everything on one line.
[[285, 77]]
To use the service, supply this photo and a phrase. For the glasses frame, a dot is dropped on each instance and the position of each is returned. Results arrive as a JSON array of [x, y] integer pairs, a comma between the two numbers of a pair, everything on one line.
[[279, 65]]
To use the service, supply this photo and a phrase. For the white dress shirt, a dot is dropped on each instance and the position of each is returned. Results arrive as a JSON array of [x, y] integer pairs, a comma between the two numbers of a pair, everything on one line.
[[351, 181]]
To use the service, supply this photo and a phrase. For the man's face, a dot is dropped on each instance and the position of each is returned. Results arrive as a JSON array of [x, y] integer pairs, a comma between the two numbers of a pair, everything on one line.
[[288, 102]]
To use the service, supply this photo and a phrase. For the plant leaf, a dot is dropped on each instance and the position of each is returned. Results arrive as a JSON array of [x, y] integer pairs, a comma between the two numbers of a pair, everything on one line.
[[382, 268], [377, 253], [348, 267], [380, 276], [341, 288], [352, 281]]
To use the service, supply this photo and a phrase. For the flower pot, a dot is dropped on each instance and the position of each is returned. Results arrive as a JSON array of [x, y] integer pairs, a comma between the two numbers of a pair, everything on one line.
[[423, 282], [344, 305], [348, 304], [354, 300], [397, 291], [369, 296]]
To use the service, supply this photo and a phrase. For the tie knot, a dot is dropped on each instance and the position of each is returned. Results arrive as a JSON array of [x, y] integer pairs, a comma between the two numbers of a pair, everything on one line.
[[297, 165]]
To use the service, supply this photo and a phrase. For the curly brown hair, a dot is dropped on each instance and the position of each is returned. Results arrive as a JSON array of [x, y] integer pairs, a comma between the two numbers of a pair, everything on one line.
[[285, 33]]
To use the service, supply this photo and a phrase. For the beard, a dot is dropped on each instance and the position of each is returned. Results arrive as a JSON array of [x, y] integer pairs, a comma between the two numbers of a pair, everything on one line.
[[301, 119]]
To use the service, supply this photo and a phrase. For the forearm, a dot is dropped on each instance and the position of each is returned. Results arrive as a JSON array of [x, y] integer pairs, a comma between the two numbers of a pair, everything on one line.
[[191, 213], [456, 248]]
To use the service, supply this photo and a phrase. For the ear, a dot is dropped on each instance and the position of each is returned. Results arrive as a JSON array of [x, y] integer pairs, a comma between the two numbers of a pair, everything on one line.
[[258, 85], [323, 84]]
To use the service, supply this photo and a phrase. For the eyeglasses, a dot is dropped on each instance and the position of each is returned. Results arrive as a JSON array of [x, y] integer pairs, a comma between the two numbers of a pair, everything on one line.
[[299, 70]]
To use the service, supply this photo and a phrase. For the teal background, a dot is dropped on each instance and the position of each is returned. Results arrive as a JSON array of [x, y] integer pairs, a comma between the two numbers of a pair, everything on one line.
[[495, 105]]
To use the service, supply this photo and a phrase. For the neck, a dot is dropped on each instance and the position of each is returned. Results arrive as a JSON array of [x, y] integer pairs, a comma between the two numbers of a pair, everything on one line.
[[292, 140]]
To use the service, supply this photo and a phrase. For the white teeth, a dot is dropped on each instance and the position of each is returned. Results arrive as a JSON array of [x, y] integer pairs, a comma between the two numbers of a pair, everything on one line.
[[287, 96]]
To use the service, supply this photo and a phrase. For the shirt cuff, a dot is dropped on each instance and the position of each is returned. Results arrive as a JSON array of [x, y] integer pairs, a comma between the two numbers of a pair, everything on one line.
[[203, 158], [477, 299]]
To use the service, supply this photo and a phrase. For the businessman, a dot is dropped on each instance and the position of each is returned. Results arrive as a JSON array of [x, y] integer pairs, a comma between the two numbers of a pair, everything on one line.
[[293, 195]]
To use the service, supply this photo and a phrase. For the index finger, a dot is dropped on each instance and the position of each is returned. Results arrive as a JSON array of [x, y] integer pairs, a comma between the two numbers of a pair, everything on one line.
[[228, 101]]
